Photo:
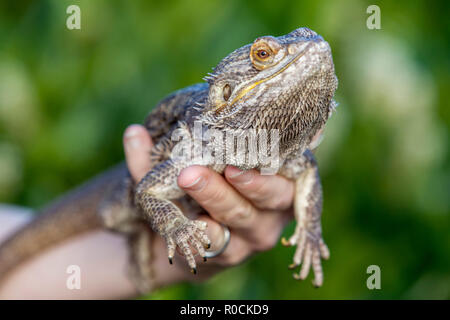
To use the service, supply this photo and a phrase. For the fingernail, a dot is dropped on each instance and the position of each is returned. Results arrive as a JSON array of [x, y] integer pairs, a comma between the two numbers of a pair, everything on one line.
[[132, 139], [237, 172], [132, 131], [242, 177], [196, 185]]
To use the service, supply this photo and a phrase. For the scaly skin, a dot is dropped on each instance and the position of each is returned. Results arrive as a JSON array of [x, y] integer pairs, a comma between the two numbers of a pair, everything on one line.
[[284, 84]]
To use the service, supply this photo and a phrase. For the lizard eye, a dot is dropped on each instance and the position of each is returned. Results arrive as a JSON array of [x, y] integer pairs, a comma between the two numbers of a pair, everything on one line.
[[263, 51], [226, 92], [262, 54]]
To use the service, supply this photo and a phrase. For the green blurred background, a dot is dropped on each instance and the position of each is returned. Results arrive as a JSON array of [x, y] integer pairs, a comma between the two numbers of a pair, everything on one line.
[[66, 97]]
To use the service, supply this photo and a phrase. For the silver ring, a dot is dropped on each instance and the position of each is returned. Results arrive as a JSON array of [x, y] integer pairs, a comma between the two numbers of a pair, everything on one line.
[[226, 237]]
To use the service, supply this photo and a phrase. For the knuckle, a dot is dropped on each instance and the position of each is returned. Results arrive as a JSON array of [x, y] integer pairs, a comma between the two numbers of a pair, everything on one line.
[[240, 212], [266, 242], [271, 194], [277, 203]]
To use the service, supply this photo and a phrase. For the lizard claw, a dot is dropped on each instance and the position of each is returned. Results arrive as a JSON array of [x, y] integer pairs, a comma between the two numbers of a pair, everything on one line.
[[187, 237], [285, 243]]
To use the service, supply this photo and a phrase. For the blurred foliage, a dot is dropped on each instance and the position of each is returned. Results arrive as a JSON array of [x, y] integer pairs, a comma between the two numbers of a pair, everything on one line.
[[66, 97]]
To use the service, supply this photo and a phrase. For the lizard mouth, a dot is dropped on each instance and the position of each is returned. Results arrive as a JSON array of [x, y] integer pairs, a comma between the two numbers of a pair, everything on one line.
[[244, 91]]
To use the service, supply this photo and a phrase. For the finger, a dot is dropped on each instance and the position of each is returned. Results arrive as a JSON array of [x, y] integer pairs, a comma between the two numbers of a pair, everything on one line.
[[264, 191], [214, 232], [216, 196], [226, 205], [237, 250], [137, 144]]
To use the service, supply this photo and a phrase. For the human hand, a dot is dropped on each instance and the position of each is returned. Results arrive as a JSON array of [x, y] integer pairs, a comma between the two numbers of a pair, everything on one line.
[[255, 208]]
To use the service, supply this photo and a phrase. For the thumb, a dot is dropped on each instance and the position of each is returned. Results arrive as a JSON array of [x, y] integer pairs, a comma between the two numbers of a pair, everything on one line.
[[137, 144]]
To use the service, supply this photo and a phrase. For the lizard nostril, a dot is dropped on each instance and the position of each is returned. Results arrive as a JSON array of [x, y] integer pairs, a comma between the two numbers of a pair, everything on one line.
[[291, 49]]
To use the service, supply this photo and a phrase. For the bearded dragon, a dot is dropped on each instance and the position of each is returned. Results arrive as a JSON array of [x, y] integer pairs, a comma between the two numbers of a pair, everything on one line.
[[284, 84]]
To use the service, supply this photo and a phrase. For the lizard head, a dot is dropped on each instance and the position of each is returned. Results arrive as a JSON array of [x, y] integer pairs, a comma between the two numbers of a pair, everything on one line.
[[285, 83]]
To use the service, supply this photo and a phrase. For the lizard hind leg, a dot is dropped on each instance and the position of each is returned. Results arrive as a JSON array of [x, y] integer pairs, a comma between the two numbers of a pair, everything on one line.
[[311, 247]]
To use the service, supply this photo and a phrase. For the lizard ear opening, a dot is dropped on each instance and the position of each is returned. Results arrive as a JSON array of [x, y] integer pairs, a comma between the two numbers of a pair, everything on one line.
[[263, 51], [226, 92]]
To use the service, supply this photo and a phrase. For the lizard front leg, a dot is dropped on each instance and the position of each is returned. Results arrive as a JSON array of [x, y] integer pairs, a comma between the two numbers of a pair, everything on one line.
[[308, 209], [153, 195]]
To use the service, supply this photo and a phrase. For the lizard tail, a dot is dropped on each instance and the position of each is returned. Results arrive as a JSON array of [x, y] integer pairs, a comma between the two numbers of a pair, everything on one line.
[[71, 215]]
